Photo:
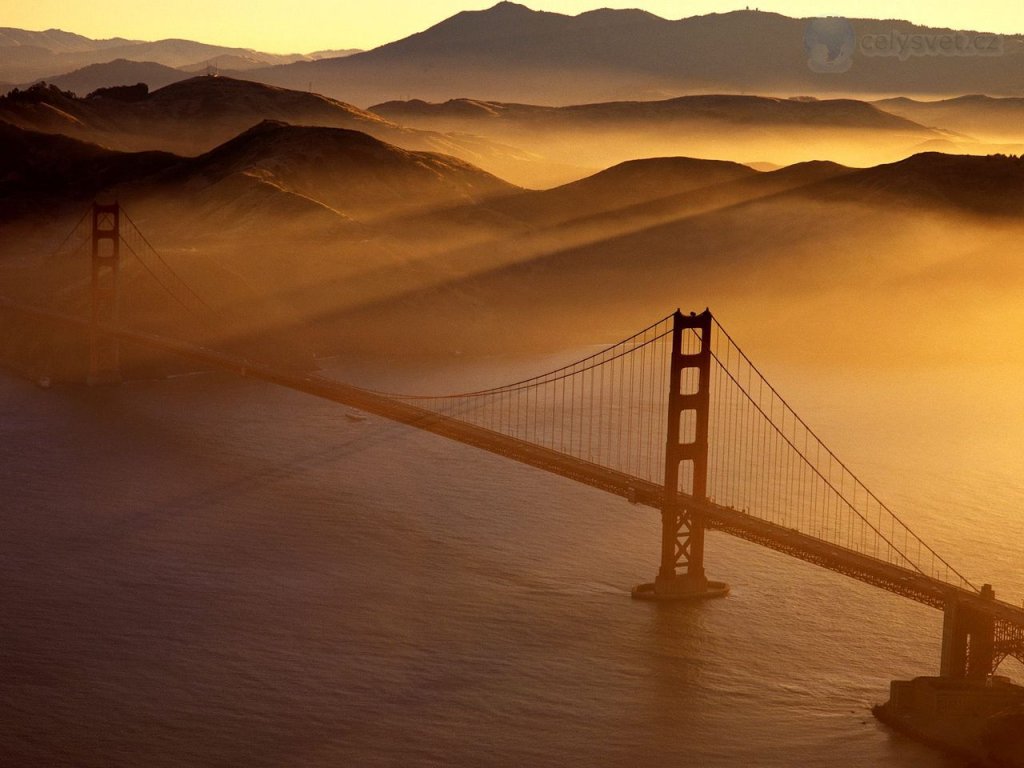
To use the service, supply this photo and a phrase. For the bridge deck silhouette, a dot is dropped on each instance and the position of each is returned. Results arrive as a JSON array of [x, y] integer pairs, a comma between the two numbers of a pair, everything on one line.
[[601, 421]]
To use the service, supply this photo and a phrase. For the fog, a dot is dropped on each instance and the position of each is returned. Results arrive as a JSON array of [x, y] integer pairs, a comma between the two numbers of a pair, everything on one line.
[[224, 545], [807, 260], [845, 264]]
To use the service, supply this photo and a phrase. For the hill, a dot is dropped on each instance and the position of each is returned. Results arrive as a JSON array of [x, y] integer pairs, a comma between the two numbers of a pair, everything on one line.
[[355, 242], [280, 221], [513, 54], [981, 117], [901, 244], [989, 186], [343, 171], [195, 115], [740, 111], [27, 56], [749, 128], [623, 187], [346, 170], [40, 171], [117, 72]]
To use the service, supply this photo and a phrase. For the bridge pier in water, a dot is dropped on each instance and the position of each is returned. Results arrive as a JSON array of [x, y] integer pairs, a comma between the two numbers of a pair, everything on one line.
[[968, 639], [681, 573], [104, 350]]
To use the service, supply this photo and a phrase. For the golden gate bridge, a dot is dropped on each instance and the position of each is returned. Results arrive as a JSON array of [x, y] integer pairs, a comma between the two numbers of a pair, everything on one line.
[[675, 417]]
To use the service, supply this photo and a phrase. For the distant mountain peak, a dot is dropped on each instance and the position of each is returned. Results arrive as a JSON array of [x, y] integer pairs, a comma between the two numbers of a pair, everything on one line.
[[754, 12], [505, 11], [636, 13], [29, 56], [511, 53], [507, 6], [280, 136]]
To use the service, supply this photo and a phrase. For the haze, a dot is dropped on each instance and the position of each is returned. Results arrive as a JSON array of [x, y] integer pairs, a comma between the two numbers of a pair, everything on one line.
[[224, 544], [313, 25]]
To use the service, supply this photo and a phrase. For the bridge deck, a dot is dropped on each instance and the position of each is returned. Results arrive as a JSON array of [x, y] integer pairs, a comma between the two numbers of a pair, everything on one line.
[[879, 573]]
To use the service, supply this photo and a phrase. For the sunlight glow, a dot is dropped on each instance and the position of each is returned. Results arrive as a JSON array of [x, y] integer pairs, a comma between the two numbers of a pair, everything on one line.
[[309, 25]]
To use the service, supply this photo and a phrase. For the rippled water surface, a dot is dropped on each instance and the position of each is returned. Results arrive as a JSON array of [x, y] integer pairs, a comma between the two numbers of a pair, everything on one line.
[[211, 571]]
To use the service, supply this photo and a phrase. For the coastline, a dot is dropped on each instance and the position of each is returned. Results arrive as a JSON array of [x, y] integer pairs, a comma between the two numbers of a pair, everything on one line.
[[976, 720]]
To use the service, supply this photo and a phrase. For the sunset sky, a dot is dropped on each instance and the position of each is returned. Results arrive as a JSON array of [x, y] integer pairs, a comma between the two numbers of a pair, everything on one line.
[[291, 26]]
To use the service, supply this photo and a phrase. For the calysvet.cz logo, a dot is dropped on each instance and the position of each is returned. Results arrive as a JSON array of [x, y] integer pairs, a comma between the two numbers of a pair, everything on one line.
[[831, 44], [907, 44]]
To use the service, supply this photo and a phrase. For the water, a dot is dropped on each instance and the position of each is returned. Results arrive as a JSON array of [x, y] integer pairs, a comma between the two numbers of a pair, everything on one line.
[[211, 571]]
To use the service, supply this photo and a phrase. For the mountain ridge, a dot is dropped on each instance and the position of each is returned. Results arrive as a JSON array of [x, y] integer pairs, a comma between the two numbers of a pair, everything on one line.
[[28, 56], [193, 115], [513, 54]]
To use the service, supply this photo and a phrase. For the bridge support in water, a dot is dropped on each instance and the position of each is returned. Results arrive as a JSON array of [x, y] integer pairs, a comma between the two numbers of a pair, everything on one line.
[[104, 351], [968, 639], [681, 574]]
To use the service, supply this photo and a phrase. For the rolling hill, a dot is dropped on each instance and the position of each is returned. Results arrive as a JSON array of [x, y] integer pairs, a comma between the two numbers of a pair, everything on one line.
[[27, 56], [727, 127], [195, 115], [981, 117], [355, 241], [118, 72], [40, 171], [989, 186], [736, 111], [900, 245], [348, 171]]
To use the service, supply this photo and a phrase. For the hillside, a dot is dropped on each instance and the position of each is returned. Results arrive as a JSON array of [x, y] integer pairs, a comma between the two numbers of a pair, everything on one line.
[[197, 114], [279, 222], [981, 117], [348, 236], [904, 244], [513, 54], [27, 56], [115, 73], [40, 171], [623, 187], [990, 186], [739, 111], [346, 170], [727, 127]]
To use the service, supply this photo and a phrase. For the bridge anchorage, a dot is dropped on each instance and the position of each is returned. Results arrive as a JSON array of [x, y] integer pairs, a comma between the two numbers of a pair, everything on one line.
[[681, 574]]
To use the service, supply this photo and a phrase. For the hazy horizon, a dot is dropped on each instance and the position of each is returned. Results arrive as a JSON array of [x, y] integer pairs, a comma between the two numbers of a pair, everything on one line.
[[326, 26]]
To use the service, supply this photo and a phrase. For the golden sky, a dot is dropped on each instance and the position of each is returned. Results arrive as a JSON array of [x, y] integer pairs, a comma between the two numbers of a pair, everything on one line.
[[302, 26]]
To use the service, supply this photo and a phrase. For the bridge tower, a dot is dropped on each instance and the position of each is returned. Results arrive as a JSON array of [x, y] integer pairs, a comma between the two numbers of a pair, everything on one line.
[[968, 639], [681, 573], [104, 351]]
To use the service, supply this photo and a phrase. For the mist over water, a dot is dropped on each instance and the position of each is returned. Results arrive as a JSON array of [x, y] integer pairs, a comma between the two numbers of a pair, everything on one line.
[[208, 569]]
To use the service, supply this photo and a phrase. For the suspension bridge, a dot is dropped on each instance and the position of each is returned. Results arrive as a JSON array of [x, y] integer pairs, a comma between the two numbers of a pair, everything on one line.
[[675, 417]]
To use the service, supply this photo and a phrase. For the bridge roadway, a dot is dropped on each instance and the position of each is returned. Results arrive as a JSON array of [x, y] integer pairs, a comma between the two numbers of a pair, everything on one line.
[[879, 573]]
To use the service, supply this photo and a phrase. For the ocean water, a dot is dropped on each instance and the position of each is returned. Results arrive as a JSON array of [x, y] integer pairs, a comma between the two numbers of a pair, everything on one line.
[[207, 571]]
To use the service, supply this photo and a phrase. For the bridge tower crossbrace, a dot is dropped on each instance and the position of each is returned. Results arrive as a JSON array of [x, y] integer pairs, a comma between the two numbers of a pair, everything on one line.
[[681, 573], [104, 349]]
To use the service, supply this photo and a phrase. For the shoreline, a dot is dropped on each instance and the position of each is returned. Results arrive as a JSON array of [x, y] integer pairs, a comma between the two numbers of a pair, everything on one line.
[[975, 720]]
